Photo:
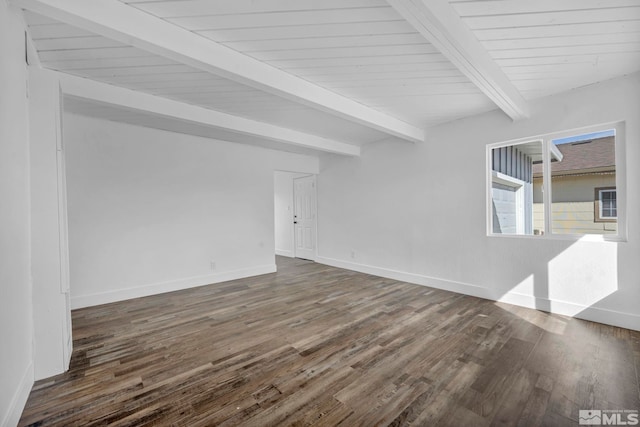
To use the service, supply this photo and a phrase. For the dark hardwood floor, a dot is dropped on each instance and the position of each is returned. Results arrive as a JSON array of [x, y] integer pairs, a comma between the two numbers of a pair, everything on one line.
[[316, 345]]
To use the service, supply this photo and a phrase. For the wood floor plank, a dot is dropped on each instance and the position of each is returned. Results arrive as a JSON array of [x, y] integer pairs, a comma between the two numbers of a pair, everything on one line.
[[313, 345]]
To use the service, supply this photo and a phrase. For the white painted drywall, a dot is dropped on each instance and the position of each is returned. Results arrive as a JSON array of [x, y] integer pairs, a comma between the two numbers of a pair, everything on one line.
[[16, 327], [149, 210], [49, 266], [418, 212], [283, 215]]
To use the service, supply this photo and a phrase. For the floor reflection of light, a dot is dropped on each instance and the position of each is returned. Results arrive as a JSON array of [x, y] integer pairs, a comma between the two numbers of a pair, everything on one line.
[[549, 322]]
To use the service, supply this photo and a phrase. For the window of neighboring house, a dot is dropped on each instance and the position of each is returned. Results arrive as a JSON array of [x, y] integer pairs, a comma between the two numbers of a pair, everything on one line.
[[606, 206], [545, 185]]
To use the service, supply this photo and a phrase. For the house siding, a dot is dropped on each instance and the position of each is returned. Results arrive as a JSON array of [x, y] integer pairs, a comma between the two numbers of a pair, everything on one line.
[[573, 204]]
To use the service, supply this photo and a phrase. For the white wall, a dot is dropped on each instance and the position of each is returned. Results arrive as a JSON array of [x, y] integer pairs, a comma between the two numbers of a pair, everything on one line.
[[283, 215], [16, 328], [49, 255], [149, 210], [417, 212]]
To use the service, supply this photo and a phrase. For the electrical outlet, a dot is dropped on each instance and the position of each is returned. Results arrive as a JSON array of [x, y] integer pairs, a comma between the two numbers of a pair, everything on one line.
[[213, 265], [353, 254]]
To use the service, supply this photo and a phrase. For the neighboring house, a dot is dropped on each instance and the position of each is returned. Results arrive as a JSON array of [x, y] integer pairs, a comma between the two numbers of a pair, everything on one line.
[[512, 187], [583, 184]]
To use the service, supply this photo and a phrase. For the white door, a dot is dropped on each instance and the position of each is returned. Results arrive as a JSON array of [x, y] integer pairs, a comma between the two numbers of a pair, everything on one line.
[[304, 217]]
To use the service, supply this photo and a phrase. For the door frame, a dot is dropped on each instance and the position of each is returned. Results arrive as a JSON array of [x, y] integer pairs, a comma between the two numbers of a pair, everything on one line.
[[315, 215]]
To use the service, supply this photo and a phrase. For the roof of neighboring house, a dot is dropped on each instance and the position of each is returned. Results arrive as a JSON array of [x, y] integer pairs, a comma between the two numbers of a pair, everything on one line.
[[596, 155]]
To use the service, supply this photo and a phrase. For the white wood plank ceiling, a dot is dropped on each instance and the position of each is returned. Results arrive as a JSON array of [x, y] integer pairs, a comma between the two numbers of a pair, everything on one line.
[[551, 46], [360, 48], [381, 54], [71, 50]]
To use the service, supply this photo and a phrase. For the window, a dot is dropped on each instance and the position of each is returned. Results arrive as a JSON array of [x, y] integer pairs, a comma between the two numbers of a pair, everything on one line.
[[588, 163], [512, 192], [606, 208], [558, 184]]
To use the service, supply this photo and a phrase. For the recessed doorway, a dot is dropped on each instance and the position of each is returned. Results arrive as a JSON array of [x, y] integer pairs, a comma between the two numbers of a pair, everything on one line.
[[295, 215]]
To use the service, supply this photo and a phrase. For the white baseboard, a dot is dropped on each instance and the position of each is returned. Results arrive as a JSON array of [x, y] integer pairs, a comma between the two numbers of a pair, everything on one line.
[[12, 417], [285, 252], [594, 314], [418, 279], [81, 301]]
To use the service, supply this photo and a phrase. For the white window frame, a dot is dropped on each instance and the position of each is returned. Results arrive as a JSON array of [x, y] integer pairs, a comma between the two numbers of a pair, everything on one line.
[[547, 145], [609, 190]]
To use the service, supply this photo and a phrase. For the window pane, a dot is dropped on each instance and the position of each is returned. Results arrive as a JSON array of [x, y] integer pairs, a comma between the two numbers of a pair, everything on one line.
[[609, 203], [513, 200], [583, 179]]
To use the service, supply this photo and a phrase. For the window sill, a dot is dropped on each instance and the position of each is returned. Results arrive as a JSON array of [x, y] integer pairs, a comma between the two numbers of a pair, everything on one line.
[[565, 237]]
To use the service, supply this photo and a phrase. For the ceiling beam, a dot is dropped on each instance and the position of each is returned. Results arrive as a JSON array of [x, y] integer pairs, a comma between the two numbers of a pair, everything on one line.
[[114, 95], [439, 23], [119, 21]]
